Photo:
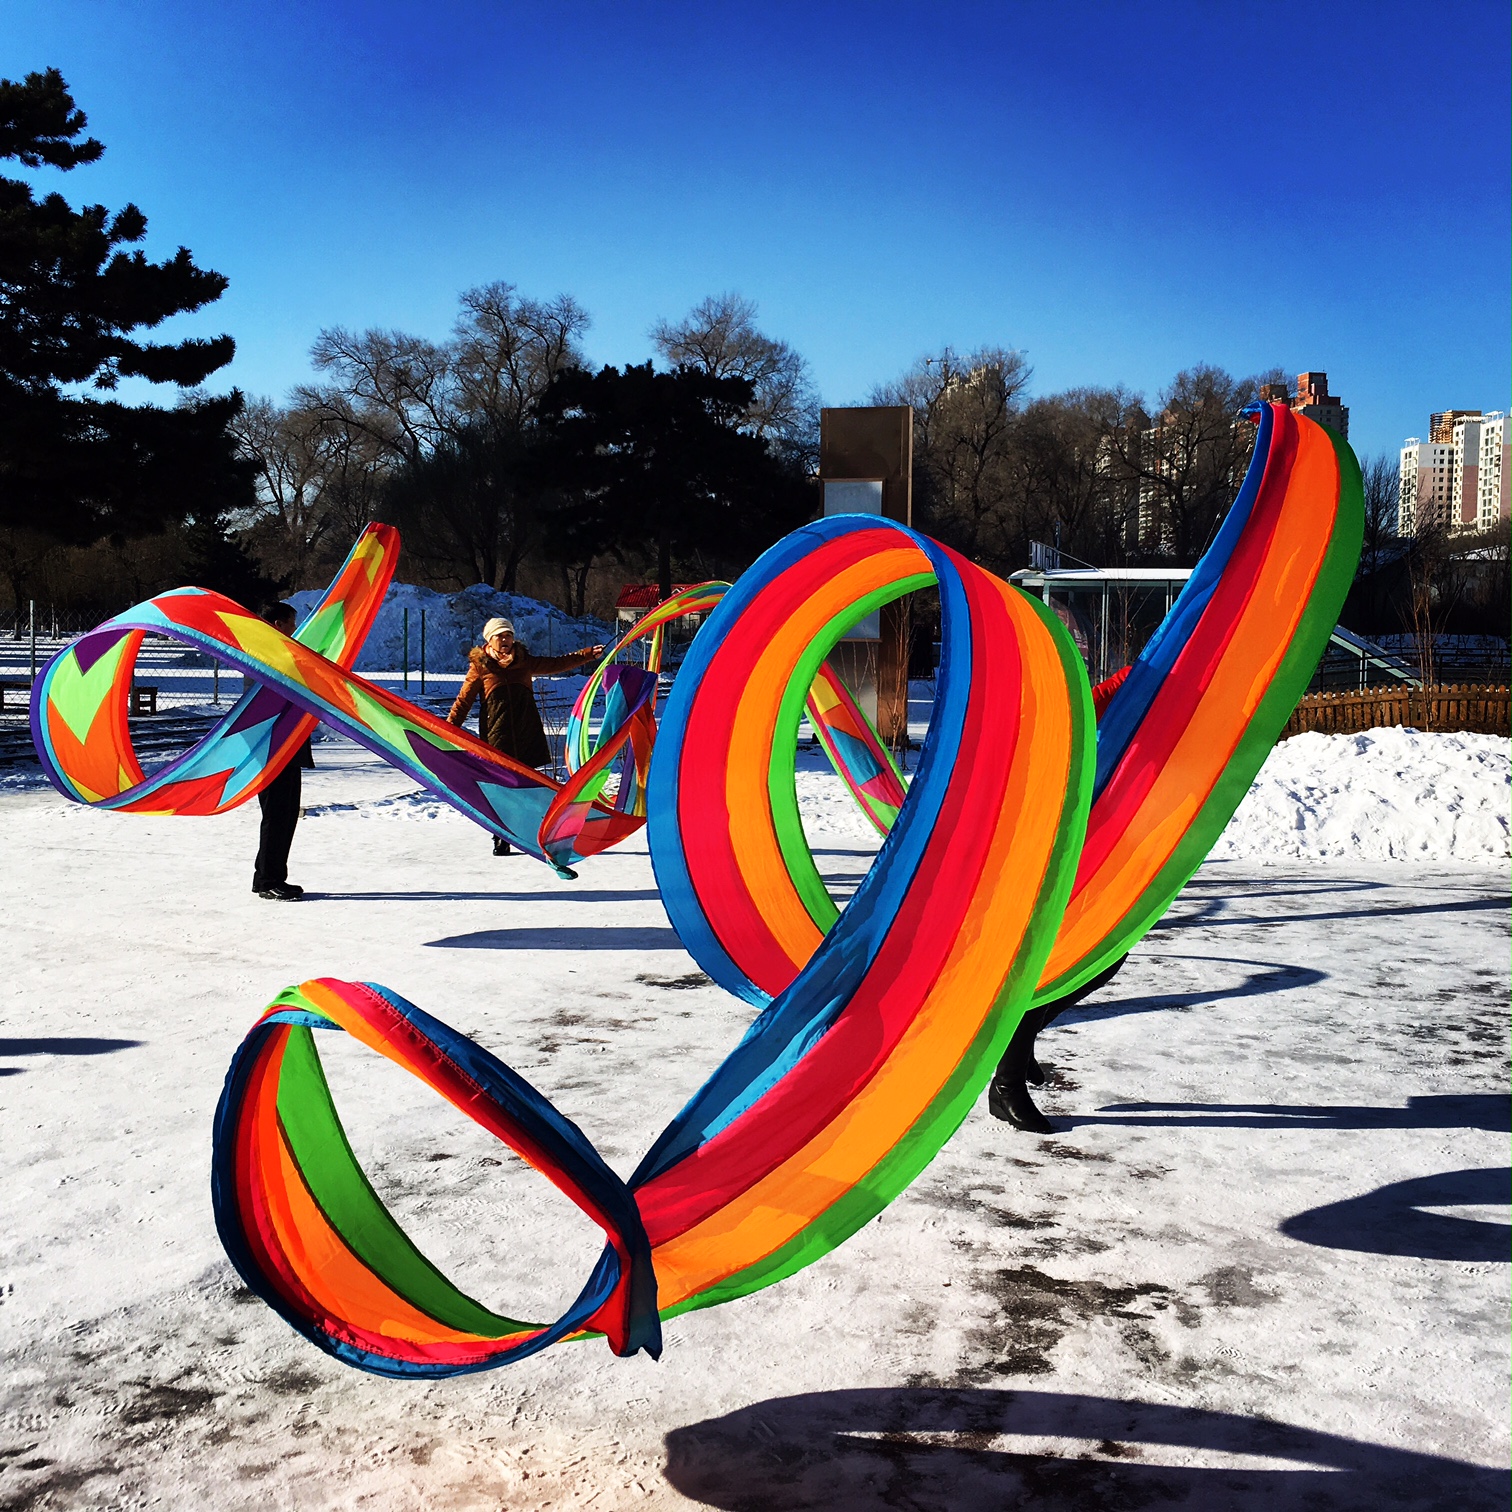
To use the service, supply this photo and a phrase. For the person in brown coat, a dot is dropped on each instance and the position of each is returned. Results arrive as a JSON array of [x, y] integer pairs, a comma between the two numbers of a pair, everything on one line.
[[502, 671]]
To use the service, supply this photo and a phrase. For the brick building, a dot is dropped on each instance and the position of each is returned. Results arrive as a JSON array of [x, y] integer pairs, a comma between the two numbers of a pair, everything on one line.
[[1311, 399]]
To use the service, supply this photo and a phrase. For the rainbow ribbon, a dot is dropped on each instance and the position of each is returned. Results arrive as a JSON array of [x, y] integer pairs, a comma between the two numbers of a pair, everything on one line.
[[1185, 735], [1029, 851], [849, 1080], [627, 727]]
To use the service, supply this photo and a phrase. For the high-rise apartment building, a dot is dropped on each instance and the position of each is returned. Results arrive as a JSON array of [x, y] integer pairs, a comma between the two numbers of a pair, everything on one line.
[[1311, 399], [1492, 490], [1458, 478], [1441, 426], [1464, 472], [1167, 447], [1423, 488], [1314, 401]]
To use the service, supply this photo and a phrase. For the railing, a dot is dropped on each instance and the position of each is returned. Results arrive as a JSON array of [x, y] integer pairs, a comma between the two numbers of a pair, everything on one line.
[[1351, 661], [1454, 658]]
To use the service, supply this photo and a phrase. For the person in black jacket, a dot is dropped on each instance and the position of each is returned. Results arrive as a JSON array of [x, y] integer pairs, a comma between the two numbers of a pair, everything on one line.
[[280, 803]]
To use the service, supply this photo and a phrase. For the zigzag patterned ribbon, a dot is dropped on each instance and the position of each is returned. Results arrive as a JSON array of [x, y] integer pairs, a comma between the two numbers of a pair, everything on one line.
[[1025, 856], [81, 732], [79, 719]]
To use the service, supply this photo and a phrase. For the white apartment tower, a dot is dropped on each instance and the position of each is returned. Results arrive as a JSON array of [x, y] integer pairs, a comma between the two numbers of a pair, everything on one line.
[[1491, 492], [1464, 473], [1458, 478], [1424, 488]]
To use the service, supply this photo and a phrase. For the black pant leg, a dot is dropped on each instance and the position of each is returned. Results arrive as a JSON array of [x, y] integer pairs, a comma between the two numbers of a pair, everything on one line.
[[280, 813]]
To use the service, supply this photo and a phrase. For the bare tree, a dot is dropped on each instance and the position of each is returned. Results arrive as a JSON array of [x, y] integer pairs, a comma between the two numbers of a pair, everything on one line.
[[395, 388], [1190, 461], [1430, 595], [317, 480], [964, 414], [719, 337], [455, 419], [357, 471], [1381, 478], [1063, 487], [505, 351], [24, 558]]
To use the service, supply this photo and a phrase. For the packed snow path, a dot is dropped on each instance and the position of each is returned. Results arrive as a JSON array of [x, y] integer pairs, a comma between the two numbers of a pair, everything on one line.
[[1261, 1264]]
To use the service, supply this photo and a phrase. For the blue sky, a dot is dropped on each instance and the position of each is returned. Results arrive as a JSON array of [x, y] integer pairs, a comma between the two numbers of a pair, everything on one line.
[[1119, 190]]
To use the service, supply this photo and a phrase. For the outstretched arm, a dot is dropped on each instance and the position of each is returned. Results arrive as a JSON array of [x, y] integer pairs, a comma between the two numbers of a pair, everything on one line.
[[465, 694], [551, 666]]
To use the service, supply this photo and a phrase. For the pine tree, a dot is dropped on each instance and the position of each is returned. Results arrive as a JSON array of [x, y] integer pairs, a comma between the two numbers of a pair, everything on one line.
[[75, 463], [644, 459]]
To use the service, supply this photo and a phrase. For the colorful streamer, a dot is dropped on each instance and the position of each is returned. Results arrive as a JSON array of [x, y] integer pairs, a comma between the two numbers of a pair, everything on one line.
[[80, 728], [855, 750], [79, 705], [850, 1079], [629, 695], [1029, 851], [79, 724], [1184, 736]]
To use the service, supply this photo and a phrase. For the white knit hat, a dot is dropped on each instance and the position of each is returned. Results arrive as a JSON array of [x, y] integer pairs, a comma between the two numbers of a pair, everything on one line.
[[496, 627]]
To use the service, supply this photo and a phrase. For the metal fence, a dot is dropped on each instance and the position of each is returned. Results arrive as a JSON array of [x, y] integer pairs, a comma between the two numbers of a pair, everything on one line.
[[1455, 658], [49, 624]]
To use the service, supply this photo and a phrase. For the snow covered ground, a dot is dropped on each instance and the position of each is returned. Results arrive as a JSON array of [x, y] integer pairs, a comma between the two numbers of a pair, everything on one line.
[[1261, 1264]]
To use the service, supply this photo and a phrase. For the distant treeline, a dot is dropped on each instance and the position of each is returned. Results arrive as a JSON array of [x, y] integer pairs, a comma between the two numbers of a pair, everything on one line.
[[505, 459]]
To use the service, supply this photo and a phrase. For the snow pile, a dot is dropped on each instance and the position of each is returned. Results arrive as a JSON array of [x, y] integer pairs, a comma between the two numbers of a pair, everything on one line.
[[1383, 795], [453, 623]]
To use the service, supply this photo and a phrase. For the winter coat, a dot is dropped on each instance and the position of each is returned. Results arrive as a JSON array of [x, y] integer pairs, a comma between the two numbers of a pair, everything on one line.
[[508, 719], [1102, 694]]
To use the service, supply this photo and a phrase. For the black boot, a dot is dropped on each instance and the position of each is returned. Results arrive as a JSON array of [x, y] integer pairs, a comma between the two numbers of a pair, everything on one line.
[[501, 846], [1008, 1093], [1011, 1102]]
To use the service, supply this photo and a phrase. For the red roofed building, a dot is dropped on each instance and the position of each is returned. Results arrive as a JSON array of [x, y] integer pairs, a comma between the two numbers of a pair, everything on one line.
[[637, 599]]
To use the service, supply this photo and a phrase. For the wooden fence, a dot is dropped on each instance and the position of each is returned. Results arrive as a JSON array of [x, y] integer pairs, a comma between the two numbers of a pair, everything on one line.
[[1458, 707]]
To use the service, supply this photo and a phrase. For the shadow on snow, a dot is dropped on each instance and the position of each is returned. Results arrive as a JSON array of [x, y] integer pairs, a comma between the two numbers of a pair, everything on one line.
[[567, 937], [1491, 1111], [930, 1449], [1391, 1220], [82, 1045]]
